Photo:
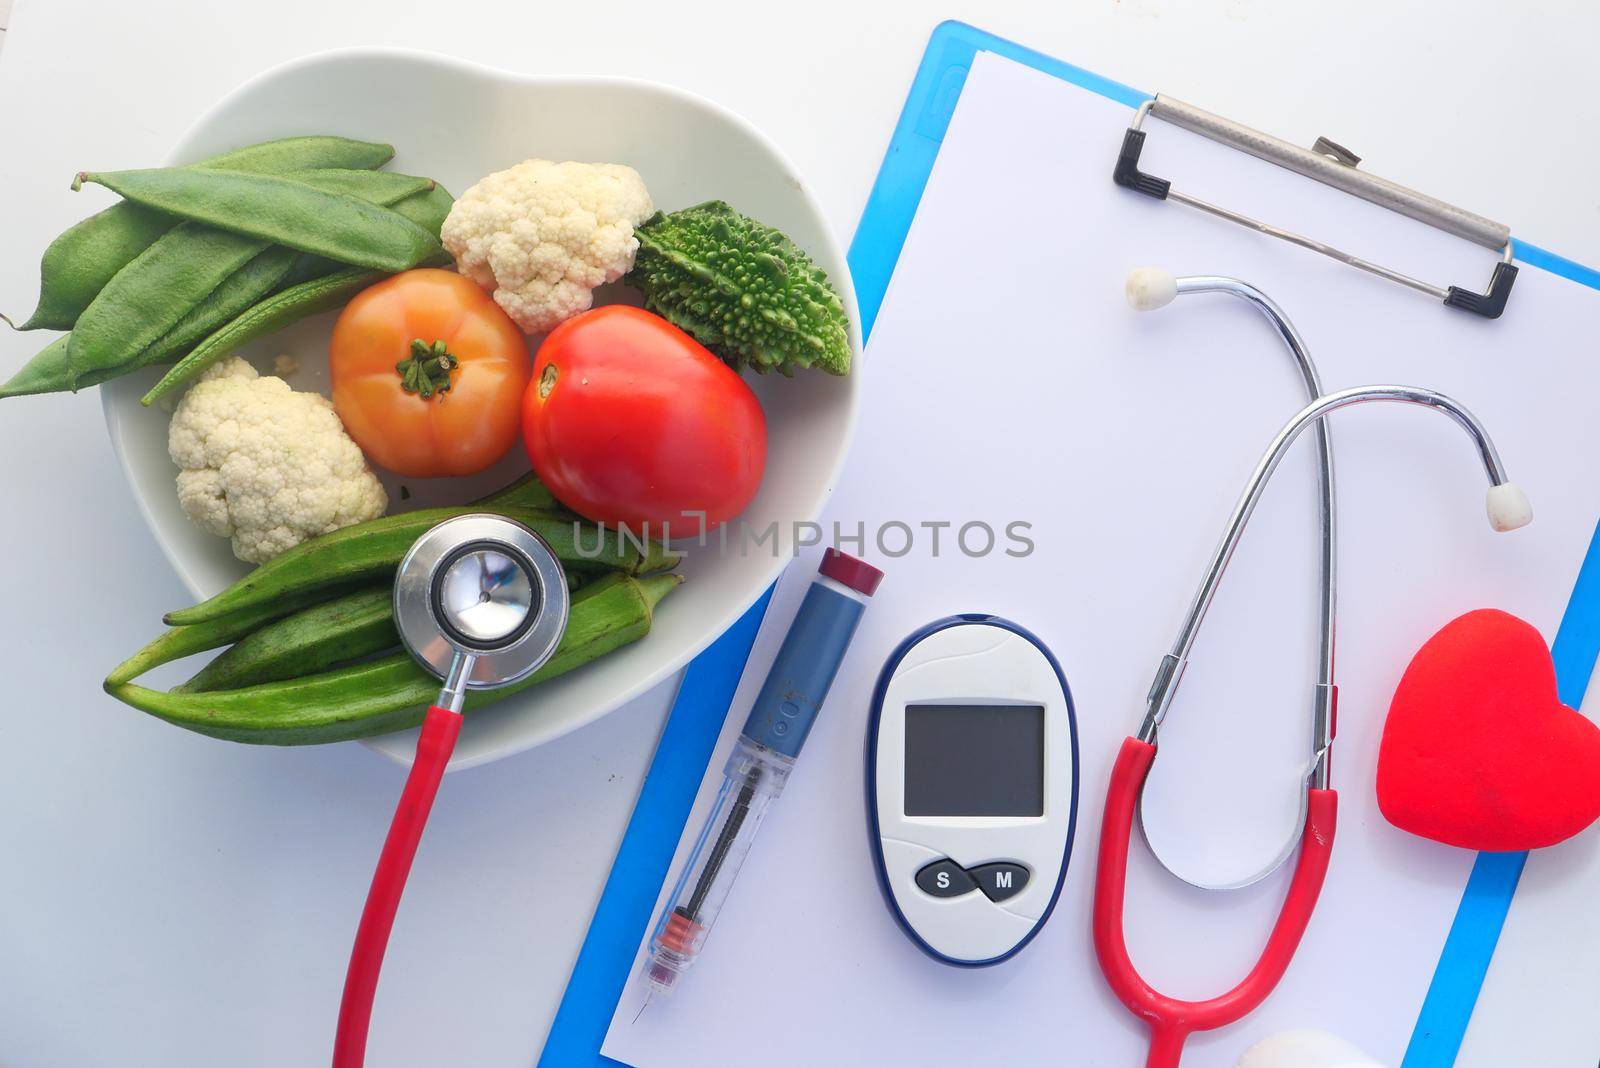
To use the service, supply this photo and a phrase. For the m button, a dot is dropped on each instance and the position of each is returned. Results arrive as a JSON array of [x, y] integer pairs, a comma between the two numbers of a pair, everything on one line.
[[1000, 881]]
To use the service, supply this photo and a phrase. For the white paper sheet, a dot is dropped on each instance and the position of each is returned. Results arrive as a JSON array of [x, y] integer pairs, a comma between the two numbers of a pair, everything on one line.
[[1007, 381]]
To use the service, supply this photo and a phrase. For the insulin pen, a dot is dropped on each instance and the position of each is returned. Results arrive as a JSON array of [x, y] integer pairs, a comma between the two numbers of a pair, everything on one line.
[[759, 765]]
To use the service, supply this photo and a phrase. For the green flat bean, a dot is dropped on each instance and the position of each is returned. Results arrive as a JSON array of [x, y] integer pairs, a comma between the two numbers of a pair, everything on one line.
[[318, 294], [270, 315], [279, 210], [162, 299], [79, 262], [150, 295], [45, 373], [235, 294], [393, 693], [268, 270], [48, 372], [374, 187]]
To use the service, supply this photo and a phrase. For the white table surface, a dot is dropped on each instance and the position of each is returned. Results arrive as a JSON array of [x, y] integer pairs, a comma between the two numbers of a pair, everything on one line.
[[170, 900]]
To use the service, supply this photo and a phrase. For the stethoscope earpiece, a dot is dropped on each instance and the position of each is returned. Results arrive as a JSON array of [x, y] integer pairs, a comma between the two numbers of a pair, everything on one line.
[[1149, 288]]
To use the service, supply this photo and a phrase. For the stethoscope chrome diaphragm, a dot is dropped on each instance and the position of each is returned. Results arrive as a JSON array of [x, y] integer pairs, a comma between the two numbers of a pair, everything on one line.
[[483, 589]]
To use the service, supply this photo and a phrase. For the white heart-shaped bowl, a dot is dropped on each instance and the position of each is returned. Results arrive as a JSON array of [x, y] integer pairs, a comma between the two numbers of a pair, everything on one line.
[[456, 122]]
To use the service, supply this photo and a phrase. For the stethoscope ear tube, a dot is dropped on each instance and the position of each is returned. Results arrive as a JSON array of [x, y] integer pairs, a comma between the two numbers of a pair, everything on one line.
[[1172, 1020], [1152, 288], [434, 746]]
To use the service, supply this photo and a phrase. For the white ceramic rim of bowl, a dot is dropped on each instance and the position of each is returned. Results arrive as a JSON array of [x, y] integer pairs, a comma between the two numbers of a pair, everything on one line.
[[834, 249]]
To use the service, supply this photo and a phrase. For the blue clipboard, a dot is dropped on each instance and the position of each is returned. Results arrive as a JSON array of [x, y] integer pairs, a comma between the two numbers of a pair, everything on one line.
[[702, 703]]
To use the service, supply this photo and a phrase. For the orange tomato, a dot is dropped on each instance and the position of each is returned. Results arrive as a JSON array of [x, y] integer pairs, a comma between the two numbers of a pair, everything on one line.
[[447, 406]]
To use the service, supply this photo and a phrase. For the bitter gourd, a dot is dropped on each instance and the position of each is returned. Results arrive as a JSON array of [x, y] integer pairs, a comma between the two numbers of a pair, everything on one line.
[[742, 289]]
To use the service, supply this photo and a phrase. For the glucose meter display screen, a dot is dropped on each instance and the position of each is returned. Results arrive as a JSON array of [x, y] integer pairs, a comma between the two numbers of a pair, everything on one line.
[[974, 760]]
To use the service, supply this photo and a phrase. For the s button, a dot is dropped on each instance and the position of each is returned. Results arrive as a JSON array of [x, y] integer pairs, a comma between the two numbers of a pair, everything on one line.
[[945, 878]]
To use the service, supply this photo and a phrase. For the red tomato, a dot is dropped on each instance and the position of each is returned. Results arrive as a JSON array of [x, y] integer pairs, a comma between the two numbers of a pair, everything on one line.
[[630, 420], [460, 416]]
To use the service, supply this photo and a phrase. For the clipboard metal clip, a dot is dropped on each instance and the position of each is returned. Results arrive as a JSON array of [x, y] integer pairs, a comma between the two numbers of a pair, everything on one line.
[[1334, 165]]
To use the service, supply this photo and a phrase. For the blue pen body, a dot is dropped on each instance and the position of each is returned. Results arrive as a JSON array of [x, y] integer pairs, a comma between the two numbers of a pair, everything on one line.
[[774, 733], [804, 671]]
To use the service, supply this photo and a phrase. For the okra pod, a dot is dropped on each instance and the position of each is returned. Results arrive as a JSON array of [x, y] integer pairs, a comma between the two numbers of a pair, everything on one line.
[[393, 693], [79, 263], [278, 210], [306, 642], [179, 642], [525, 492], [373, 549], [316, 638]]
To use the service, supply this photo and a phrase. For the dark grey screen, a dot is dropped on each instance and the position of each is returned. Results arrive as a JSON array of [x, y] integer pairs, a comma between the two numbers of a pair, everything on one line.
[[974, 760]]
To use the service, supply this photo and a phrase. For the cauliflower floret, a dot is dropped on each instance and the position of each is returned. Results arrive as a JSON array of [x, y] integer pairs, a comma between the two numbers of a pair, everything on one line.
[[266, 466], [541, 236]]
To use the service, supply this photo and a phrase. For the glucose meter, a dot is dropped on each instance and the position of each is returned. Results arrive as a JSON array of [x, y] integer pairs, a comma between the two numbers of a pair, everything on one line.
[[972, 787]]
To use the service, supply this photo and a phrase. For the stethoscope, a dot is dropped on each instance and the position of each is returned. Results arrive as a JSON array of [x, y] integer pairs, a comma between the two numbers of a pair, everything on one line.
[[481, 602], [1172, 1020]]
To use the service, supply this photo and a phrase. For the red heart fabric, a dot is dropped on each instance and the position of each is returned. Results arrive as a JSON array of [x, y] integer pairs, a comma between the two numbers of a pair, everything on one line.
[[1478, 751]]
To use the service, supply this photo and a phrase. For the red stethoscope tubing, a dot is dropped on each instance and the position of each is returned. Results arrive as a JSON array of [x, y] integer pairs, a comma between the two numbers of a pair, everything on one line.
[[1172, 1021], [437, 741]]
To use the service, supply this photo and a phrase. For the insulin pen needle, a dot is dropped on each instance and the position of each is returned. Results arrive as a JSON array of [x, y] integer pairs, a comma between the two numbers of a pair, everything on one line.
[[648, 998]]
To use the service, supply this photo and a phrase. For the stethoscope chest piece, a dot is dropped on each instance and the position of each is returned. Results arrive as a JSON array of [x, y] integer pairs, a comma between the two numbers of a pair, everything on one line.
[[483, 588]]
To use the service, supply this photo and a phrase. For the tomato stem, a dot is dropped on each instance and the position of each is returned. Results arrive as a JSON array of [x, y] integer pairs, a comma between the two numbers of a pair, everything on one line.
[[427, 370]]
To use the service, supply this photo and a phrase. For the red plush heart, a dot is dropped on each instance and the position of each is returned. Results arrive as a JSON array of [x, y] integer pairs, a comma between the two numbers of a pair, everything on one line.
[[1478, 752]]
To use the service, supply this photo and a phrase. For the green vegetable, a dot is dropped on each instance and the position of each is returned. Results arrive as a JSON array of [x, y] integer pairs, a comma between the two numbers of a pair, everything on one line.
[[79, 263], [160, 304], [86, 256], [318, 294], [373, 187], [278, 210], [525, 492], [742, 289], [306, 642], [263, 274], [270, 315], [373, 549], [179, 642], [316, 638], [392, 693], [48, 372], [235, 294], [150, 295]]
